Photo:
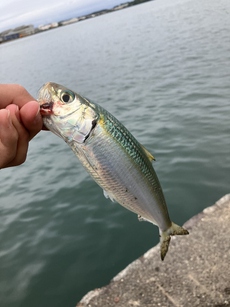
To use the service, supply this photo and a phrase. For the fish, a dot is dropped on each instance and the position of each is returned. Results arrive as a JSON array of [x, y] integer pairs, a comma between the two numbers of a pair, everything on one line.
[[113, 157]]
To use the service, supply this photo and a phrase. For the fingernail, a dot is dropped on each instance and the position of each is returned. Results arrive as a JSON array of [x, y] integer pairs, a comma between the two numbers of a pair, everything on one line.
[[9, 118], [17, 113], [14, 109]]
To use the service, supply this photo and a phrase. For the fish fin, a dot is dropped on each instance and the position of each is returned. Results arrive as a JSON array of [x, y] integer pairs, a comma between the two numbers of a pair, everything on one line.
[[149, 155], [107, 195], [166, 237], [141, 219]]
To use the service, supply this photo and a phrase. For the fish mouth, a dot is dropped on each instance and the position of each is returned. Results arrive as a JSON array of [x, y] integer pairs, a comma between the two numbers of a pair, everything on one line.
[[45, 100], [46, 108]]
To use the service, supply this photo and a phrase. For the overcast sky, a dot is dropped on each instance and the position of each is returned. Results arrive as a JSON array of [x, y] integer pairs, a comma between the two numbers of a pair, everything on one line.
[[14, 13]]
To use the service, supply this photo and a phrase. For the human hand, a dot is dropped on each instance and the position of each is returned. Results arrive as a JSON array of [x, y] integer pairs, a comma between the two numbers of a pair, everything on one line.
[[20, 121]]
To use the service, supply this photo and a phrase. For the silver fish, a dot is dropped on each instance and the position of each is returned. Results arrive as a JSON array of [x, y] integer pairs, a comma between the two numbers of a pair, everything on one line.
[[110, 154]]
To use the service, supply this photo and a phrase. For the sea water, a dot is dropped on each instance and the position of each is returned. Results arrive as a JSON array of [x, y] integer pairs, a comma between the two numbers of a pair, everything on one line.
[[162, 68]]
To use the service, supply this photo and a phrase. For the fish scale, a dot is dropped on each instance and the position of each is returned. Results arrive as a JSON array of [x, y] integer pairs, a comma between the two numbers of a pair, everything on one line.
[[133, 150], [110, 154]]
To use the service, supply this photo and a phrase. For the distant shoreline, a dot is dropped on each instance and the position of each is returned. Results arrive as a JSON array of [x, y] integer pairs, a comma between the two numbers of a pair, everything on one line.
[[28, 30]]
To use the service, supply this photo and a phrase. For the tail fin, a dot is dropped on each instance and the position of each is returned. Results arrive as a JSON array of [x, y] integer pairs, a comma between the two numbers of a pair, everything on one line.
[[166, 237]]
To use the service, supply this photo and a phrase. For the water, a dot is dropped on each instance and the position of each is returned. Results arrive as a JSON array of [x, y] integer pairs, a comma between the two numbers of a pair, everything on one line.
[[162, 68]]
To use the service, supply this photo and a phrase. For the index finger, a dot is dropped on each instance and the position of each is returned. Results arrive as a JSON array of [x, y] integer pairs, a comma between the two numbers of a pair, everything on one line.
[[13, 93]]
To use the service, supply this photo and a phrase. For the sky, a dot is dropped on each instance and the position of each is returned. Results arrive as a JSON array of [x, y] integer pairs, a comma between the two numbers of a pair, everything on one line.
[[14, 13]]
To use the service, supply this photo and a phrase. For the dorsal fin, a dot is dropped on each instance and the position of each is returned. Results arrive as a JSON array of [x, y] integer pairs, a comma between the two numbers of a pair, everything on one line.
[[149, 155]]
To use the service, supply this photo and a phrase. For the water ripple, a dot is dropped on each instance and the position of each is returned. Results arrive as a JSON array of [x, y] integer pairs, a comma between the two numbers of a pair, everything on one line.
[[162, 68]]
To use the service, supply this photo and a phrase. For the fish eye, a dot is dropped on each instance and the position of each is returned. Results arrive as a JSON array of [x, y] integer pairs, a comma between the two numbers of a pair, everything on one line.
[[67, 96]]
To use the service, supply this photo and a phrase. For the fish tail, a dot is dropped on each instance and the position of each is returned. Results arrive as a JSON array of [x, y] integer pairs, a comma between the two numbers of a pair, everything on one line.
[[173, 230]]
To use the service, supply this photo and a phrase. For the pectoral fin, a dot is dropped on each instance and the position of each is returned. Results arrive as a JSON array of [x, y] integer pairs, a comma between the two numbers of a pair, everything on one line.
[[141, 219], [107, 195]]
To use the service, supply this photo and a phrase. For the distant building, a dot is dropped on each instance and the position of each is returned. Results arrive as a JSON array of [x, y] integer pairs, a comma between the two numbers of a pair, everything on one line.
[[9, 35], [48, 26], [67, 22], [121, 6], [17, 32], [54, 24], [43, 27], [25, 30]]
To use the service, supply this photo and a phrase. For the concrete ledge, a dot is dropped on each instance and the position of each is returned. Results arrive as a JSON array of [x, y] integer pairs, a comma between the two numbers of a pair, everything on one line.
[[195, 272]]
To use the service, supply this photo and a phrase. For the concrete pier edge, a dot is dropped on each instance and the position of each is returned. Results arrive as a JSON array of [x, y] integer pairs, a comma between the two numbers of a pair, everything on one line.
[[196, 270]]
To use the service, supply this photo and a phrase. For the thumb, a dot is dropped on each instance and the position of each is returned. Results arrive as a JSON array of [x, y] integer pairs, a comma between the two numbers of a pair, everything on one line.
[[31, 118]]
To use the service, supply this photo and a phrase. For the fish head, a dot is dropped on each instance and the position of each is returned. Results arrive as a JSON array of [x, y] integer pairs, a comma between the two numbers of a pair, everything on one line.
[[66, 113]]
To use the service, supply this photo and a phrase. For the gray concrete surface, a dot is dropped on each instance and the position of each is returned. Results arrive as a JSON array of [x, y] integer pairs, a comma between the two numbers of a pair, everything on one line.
[[195, 272]]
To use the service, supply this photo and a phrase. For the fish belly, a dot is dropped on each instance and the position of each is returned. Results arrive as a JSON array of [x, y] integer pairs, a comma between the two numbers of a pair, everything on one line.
[[125, 174]]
